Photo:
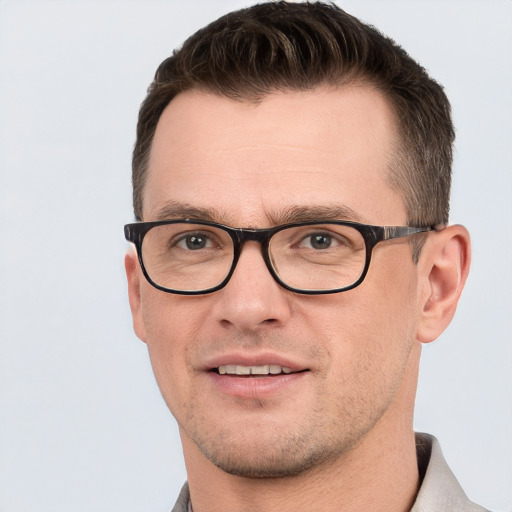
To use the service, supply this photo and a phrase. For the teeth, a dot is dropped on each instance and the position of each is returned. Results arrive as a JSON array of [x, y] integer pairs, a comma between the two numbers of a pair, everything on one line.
[[260, 370], [267, 369]]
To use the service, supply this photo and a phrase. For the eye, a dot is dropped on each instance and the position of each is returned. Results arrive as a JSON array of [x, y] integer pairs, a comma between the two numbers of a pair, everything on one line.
[[194, 241], [319, 241]]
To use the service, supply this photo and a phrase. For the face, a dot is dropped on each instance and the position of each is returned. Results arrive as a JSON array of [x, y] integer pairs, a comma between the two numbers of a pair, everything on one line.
[[324, 152]]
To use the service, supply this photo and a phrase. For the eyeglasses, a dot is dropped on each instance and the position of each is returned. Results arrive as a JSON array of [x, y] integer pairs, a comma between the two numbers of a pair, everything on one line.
[[192, 257]]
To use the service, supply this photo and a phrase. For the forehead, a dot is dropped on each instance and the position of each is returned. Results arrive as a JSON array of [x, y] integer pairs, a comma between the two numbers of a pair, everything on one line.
[[247, 161]]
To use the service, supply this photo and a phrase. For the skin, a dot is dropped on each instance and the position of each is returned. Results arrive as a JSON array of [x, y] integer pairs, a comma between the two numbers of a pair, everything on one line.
[[338, 435]]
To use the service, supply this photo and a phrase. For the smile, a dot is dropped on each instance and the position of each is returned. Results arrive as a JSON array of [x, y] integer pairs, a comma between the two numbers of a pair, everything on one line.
[[267, 369], [255, 379]]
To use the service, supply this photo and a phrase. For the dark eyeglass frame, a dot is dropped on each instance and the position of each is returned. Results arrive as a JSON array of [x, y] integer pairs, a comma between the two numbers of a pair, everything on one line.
[[372, 235]]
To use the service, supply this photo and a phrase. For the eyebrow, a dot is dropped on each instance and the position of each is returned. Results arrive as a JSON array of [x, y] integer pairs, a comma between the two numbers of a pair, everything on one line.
[[177, 210], [288, 215], [311, 213]]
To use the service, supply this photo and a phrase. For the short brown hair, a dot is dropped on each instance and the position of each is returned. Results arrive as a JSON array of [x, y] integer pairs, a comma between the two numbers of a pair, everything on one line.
[[279, 46]]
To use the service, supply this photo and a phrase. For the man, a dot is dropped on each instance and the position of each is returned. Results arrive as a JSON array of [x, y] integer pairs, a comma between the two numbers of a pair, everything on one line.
[[291, 181]]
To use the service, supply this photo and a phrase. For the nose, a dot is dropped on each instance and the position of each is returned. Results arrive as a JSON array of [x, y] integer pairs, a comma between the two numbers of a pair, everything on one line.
[[252, 299]]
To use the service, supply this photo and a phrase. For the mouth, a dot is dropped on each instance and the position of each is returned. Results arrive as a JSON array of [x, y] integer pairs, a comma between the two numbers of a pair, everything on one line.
[[260, 376], [254, 371]]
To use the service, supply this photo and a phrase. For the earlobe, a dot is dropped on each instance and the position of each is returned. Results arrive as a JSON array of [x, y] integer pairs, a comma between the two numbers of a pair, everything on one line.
[[444, 267], [133, 276]]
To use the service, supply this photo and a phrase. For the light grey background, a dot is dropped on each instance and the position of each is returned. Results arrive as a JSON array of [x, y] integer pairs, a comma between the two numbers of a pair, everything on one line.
[[82, 424]]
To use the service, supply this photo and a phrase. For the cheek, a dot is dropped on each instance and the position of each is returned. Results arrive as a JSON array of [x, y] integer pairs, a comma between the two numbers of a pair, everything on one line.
[[388, 317], [389, 291], [372, 328], [170, 319], [172, 325]]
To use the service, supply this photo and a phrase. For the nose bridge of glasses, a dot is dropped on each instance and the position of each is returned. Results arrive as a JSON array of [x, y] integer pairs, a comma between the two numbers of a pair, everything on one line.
[[260, 236], [253, 235]]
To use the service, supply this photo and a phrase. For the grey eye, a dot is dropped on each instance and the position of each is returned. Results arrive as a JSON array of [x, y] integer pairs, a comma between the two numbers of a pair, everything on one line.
[[194, 242], [320, 241]]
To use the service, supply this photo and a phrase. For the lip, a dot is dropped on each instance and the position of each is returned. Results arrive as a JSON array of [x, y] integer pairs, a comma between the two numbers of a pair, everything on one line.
[[255, 386]]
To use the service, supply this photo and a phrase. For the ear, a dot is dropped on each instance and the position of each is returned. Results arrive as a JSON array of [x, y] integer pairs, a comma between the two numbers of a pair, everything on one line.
[[444, 266], [134, 276]]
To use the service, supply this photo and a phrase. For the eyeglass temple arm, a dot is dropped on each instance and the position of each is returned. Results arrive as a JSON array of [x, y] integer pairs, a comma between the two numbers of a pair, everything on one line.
[[390, 232]]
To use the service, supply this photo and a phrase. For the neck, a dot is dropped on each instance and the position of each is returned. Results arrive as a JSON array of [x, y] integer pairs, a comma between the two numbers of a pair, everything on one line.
[[379, 473]]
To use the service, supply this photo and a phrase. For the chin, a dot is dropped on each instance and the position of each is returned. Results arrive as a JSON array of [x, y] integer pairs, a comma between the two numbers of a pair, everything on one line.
[[264, 467], [278, 458]]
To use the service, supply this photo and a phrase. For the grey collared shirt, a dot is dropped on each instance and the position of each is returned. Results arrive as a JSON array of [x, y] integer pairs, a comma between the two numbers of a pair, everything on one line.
[[439, 490]]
